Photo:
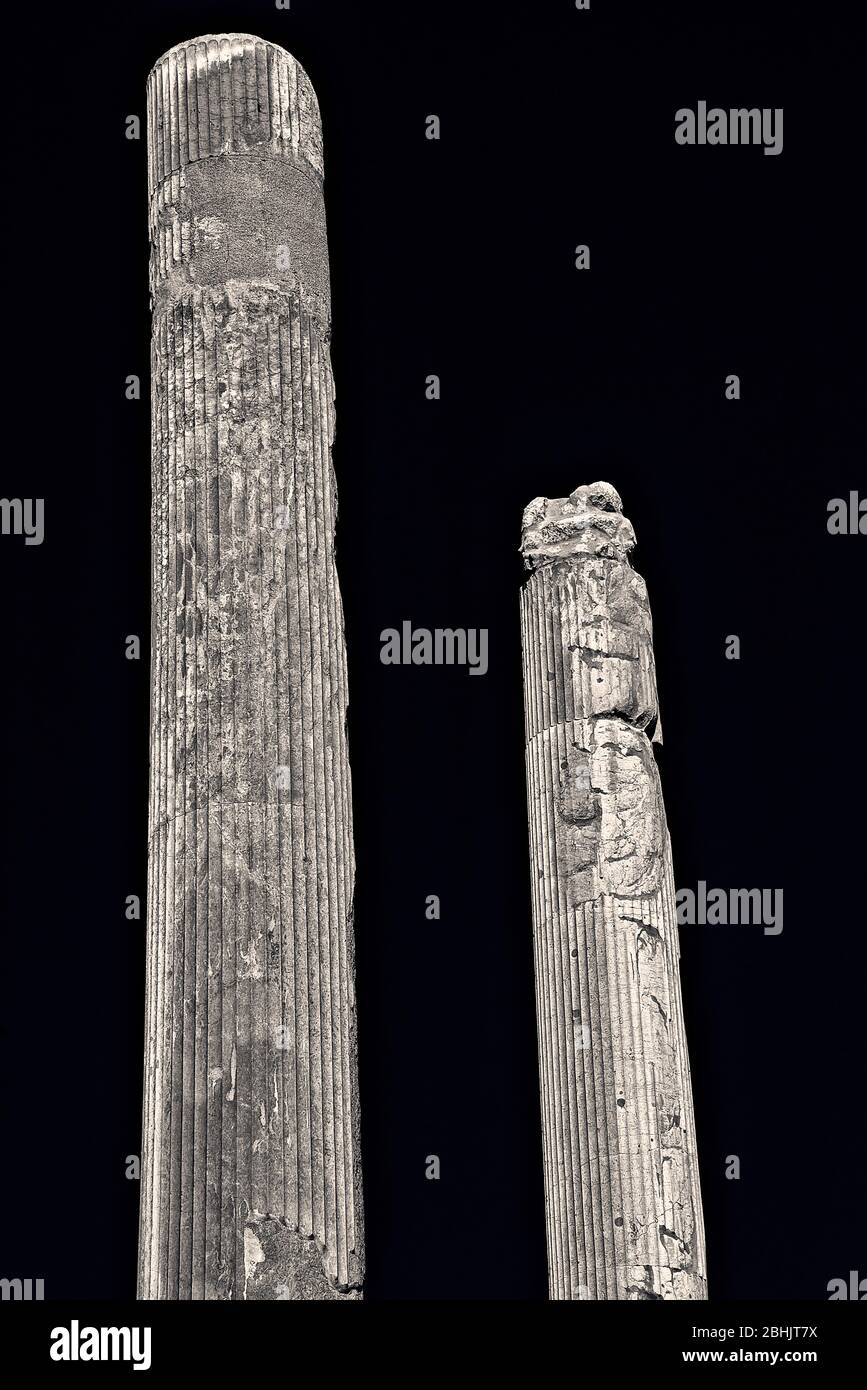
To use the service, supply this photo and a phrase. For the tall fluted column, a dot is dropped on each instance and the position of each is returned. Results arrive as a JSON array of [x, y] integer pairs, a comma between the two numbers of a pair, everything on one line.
[[621, 1178], [251, 1167]]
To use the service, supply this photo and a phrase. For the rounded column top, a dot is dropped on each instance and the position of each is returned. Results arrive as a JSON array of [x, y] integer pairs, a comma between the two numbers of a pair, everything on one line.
[[229, 94]]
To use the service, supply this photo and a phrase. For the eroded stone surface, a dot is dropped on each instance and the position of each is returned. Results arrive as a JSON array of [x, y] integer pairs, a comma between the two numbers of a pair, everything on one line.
[[251, 1179], [622, 1190]]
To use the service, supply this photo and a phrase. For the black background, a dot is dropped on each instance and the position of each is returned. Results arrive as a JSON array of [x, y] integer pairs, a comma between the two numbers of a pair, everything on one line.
[[457, 258]]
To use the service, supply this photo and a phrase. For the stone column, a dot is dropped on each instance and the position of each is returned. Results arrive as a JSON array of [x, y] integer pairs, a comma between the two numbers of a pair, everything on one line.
[[251, 1168], [622, 1193]]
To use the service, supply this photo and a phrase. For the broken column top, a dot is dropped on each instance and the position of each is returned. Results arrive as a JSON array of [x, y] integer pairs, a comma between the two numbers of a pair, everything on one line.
[[589, 521]]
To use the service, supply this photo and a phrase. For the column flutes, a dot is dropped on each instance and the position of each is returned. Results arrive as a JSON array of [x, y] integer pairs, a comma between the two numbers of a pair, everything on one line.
[[623, 1205], [251, 1181]]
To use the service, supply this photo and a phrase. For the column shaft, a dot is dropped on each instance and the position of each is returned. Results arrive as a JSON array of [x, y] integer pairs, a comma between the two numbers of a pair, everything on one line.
[[251, 1165], [621, 1180]]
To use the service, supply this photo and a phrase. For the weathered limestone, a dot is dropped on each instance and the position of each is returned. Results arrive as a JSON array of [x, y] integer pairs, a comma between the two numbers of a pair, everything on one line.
[[251, 1181], [621, 1177]]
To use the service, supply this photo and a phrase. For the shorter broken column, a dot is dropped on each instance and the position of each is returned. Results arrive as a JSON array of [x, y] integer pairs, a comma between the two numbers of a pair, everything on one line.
[[623, 1203]]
